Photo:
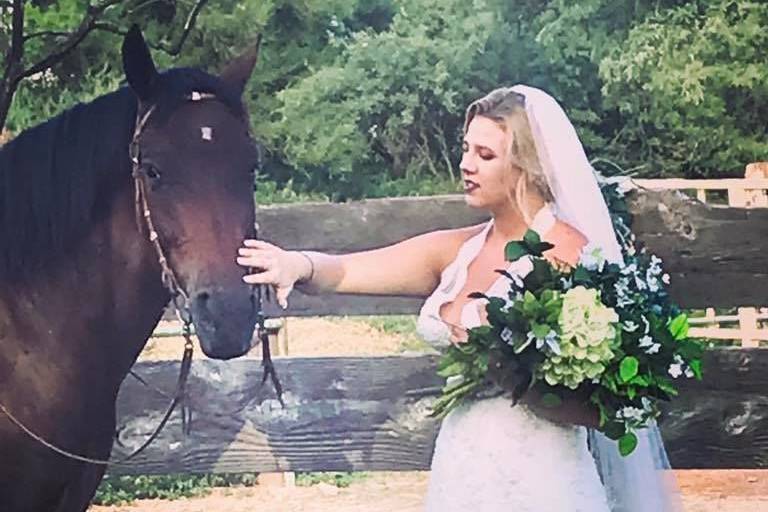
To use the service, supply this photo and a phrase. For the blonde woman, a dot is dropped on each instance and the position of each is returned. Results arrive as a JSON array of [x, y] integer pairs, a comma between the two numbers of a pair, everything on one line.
[[523, 163]]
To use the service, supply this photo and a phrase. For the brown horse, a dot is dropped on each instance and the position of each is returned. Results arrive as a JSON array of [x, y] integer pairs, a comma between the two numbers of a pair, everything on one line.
[[80, 281]]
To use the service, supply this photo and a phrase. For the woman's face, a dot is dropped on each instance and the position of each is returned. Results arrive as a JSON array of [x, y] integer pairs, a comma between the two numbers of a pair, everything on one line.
[[488, 177]]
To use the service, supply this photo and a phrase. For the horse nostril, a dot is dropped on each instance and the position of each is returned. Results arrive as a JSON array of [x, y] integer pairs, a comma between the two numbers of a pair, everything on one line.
[[202, 298]]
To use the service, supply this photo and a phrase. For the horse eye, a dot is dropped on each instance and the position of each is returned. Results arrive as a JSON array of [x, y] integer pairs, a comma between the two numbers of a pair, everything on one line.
[[151, 172]]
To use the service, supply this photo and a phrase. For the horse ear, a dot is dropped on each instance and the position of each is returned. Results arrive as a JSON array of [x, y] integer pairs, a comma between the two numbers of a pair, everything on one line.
[[239, 70], [138, 65]]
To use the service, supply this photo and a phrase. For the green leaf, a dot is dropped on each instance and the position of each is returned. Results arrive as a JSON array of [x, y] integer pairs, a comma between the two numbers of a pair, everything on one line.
[[551, 400], [627, 443], [581, 275], [628, 368], [540, 330], [514, 251], [543, 247], [666, 386], [450, 370], [679, 326], [696, 367], [531, 238], [614, 430]]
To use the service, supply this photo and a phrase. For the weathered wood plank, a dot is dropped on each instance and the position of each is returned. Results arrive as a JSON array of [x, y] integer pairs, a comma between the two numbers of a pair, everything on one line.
[[368, 414], [716, 256]]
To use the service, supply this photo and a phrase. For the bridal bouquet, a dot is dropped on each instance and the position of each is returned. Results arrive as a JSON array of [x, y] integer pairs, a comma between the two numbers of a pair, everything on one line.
[[606, 331]]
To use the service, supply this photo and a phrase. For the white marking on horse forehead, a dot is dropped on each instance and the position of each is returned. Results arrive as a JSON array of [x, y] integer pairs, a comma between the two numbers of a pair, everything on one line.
[[206, 132]]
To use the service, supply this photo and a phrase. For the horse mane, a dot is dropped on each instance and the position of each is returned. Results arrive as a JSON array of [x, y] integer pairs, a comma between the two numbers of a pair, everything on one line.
[[58, 178]]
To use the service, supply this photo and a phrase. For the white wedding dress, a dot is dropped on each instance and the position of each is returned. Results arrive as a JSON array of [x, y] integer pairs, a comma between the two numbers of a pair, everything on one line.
[[490, 456]]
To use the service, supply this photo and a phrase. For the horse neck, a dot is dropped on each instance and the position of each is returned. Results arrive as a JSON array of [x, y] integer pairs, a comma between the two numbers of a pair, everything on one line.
[[99, 305]]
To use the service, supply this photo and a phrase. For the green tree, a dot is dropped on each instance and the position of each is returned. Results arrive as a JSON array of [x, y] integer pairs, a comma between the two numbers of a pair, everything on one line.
[[691, 87], [44, 43]]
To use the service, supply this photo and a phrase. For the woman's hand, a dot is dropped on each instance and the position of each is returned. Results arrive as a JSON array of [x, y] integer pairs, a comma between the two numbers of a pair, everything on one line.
[[274, 266], [568, 243]]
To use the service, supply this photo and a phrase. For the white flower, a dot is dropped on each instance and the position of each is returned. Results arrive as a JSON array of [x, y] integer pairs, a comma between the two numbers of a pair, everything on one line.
[[665, 279], [507, 335], [676, 368], [592, 258], [550, 340], [567, 282], [645, 341], [649, 345], [630, 413], [689, 372], [510, 299], [622, 293], [629, 326], [630, 269]]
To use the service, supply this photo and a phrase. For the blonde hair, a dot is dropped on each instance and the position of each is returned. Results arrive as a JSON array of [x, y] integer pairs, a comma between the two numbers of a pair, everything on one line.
[[507, 108]]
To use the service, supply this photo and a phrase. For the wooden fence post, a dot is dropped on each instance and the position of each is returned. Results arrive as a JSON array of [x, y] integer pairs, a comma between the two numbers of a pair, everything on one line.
[[756, 197], [277, 330], [748, 327]]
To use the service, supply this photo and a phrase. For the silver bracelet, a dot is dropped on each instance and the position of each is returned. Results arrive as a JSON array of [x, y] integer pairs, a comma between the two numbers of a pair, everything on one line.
[[311, 269]]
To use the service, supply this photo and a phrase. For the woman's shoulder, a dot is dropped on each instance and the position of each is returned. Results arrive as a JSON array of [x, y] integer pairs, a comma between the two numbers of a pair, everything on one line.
[[447, 243], [567, 240]]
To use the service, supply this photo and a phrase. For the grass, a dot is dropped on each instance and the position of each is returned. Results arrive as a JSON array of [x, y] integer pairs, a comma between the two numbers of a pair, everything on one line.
[[120, 490], [335, 478], [399, 325]]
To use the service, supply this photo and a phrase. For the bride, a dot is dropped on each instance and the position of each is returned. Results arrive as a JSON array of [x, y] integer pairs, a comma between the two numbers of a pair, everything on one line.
[[524, 164]]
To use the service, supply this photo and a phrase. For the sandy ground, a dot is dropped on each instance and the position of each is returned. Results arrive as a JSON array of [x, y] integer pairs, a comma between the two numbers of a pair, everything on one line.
[[703, 491]]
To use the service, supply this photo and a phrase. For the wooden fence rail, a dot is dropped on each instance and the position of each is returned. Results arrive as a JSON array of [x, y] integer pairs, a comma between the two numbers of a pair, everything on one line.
[[371, 413]]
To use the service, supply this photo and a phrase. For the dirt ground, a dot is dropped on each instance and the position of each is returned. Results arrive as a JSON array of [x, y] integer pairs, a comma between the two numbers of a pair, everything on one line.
[[702, 491]]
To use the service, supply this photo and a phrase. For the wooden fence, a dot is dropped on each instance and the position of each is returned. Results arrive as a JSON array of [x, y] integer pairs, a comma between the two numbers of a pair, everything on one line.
[[748, 192], [371, 413]]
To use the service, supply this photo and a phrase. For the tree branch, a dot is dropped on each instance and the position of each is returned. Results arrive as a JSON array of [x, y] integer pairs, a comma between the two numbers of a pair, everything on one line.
[[170, 50], [45, 33], [92, 14], [188, 26], [16, 49]]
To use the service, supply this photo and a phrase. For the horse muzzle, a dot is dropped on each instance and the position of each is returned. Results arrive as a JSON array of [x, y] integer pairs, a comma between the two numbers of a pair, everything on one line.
[[224, 321]]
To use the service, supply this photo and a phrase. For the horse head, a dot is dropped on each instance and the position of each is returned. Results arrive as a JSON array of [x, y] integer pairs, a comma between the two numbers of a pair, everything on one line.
[[193, 166]]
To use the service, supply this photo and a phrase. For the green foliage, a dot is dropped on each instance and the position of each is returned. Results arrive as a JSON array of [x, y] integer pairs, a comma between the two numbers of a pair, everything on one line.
[[691, 86], [388, 103], [400, 325], [41, 99], [270, 192], [357, 98], [125, 489], [338, 479]]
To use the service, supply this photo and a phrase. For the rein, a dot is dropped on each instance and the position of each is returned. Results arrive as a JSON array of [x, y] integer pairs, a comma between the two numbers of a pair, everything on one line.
[[181, 304]]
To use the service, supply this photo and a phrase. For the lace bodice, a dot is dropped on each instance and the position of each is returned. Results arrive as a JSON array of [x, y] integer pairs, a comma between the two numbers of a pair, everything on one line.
[[430, 325]]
